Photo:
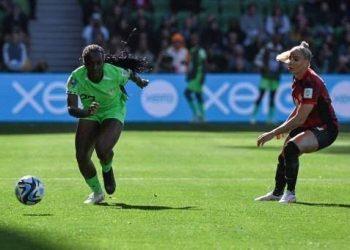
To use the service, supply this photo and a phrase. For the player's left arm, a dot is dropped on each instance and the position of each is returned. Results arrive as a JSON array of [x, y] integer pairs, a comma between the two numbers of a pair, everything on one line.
[[309, 97], [300, 116], [296, 120], [138, 80]]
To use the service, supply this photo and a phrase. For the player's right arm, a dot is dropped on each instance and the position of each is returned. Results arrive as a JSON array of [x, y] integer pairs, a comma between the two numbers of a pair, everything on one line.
[[72, 101], [75, 111]]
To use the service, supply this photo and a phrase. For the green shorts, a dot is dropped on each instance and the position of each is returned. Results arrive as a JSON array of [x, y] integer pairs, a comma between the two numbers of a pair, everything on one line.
[[118, 114], [269, 84], [196, 84]]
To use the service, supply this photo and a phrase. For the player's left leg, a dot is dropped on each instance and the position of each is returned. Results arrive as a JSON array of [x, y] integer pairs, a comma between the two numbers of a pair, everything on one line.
[[256, 105], [271, 106], [108, 137], [304, 142], [200, 103], [191, 103]]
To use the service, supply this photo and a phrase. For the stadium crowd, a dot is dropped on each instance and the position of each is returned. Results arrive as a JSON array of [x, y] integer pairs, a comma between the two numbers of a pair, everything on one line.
[[231, 32], [14, 36], [230, 40]]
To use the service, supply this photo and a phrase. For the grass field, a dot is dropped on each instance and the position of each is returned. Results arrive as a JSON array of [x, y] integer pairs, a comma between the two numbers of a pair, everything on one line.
[[176, 190]]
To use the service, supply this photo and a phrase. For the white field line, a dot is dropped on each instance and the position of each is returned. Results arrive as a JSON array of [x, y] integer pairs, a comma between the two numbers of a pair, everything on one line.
[[335, 180]]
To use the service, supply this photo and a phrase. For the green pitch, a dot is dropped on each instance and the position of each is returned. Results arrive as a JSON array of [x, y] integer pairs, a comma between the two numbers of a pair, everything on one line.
[[176, 190]]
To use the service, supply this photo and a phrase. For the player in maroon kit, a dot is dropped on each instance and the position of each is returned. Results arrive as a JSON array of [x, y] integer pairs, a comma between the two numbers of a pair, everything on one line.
[[311, 126]]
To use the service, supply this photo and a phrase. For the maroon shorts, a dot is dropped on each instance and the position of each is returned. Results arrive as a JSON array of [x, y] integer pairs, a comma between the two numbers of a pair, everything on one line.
[[324, 136]]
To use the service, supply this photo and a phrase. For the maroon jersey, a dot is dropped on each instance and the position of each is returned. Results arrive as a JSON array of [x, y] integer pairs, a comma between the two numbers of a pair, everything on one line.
[[312, 90]]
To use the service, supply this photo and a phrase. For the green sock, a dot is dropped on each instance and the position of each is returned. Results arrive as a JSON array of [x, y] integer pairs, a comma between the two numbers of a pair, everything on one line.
[[201, 109], [193, 107], [256, 108], [94, 184], [106, 167], [271, 113]]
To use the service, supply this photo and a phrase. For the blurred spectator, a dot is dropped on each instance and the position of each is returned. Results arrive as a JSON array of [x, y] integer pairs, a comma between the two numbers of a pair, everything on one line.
[[325, 59], [164, 62], [190, 26], [163, 36], [343, 12], [142, 4], [325, 21], [216, 60], [179, 53], [234, 26], [124, 28], [32, 4], [115, 45], [14, 54], [211, 34], [231, 43], [343, 65], [114, 19], [94, 30], [239, 64], [277, 23], [311, 8], [89, 7], [193, 6], [299, 18], [143, 50], [15, 19], [251, 24]]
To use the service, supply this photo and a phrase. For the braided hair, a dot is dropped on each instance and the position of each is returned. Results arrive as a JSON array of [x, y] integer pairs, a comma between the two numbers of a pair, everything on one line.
[[123, 60]]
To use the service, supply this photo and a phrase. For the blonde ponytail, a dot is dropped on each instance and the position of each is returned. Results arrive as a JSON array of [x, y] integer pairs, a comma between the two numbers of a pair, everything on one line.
[[304, 49], [283, 57]]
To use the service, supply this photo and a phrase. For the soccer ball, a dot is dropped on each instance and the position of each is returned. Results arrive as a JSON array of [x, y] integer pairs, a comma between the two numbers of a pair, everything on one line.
[[29, 190]]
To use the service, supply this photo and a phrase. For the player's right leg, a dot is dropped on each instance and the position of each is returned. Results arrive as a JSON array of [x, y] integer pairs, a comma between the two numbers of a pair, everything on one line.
[[256, 105], [280, 179], [84, 144], [191, 103], [108, 137], [271, 106], [200, 103]]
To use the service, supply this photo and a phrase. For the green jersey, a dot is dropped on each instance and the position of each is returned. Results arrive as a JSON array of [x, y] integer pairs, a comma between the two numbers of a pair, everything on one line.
[[109, 92], [195, 75]]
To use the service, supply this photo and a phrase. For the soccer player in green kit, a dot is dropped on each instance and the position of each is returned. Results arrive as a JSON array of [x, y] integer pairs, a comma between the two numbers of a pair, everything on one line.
[[195, 78], [99, 83]]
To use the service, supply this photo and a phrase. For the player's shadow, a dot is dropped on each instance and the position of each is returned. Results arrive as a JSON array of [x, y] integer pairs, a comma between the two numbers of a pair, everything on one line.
[[333, 149], [145, 207], [323, 204], [38, 215], [251, 147], [11, 238], [336, 149]]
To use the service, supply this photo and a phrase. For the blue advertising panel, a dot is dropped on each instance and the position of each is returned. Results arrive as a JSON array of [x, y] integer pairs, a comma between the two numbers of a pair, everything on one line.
[[227, 98]]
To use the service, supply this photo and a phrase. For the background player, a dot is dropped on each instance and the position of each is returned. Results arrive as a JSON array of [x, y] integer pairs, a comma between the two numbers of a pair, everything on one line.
[[312, 125], [195, 78], [99, 84], [270, 75]]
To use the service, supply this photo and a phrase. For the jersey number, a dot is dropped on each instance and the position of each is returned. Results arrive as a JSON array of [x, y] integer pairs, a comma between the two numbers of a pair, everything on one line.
[[88, 97]]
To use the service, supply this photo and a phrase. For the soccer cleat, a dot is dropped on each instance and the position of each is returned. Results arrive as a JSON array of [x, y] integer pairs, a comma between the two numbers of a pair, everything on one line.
[[95, 198], [288, 197], [109, 181], [269, 197]]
